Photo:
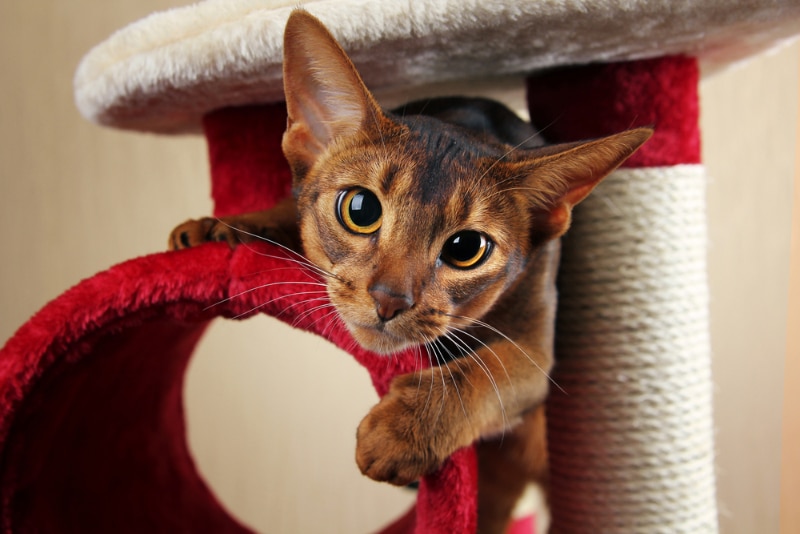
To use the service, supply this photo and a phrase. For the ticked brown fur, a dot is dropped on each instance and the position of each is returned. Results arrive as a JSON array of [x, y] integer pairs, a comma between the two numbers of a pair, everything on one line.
[[452, 172]]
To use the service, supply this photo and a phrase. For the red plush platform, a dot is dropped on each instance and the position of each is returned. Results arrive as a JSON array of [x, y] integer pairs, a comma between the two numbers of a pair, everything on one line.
[[92, 432]]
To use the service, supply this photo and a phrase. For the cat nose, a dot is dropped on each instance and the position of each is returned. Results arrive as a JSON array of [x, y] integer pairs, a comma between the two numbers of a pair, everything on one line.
[[388, 304]]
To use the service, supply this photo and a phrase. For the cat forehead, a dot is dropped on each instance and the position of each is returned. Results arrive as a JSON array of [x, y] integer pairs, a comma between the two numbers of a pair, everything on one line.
[[433, 195], [433, 161], [437, 139]]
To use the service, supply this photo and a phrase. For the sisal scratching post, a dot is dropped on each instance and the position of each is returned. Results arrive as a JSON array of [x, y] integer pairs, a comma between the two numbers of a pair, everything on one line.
[[634, 442], [631, 432]]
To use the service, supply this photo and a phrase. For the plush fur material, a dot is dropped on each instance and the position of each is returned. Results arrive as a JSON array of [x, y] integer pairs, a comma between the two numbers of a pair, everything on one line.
[[558, 98], [166, 71], [237, 140]]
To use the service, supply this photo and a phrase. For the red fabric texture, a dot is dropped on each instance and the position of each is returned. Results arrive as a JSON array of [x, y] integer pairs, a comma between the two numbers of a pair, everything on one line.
[[574, 103], [242, 146]]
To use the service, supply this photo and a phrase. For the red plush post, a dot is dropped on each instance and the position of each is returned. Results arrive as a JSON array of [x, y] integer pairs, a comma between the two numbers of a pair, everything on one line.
[[92, 433], [584, 102]]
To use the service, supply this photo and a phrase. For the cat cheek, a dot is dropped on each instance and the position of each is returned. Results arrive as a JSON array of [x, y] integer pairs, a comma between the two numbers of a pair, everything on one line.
[[481, 300], [477, 307]]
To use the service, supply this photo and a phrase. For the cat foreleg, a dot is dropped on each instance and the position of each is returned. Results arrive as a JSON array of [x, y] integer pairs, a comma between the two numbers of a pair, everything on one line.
[[277, 225], [428, 415]]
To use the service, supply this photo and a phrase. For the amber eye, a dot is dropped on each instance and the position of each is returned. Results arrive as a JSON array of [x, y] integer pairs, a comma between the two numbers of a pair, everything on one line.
[[359, 211], [466, 249]]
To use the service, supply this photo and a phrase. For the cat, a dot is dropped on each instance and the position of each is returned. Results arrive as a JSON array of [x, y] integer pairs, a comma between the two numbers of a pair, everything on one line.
[[437, 225]]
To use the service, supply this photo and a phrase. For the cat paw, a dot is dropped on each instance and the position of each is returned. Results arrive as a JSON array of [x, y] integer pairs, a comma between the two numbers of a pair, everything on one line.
[[195, 232], [395, 443], [385, 454]]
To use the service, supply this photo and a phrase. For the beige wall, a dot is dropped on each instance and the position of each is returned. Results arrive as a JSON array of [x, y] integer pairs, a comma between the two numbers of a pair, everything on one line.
[[790, 459], [274, 431], [749, 125]]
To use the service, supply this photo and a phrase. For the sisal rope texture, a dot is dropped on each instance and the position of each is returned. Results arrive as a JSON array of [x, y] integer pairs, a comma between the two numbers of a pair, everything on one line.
[[633, 422]]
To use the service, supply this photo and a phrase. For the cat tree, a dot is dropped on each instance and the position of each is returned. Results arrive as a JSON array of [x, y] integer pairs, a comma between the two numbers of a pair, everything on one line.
[[92, 433]]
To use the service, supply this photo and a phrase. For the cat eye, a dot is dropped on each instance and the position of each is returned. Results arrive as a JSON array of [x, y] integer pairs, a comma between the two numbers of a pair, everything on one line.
[[359, 211], [466, 249]]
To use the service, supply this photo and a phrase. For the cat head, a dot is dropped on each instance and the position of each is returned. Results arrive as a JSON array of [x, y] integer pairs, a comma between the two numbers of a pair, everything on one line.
[[420, 224]]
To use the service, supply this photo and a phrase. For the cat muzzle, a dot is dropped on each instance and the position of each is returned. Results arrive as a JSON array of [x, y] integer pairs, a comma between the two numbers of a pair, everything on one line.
[[389, 305]]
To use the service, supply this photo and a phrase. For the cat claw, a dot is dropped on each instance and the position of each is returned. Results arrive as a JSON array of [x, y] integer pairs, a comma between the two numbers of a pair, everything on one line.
[[190, 234], [195, 232]]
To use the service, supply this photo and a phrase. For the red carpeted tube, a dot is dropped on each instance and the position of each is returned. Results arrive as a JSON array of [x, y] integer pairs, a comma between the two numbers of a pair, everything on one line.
[[92, 432]]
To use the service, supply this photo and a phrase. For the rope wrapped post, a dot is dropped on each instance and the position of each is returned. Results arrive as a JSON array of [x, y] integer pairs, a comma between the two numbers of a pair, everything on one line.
[[630, 436]]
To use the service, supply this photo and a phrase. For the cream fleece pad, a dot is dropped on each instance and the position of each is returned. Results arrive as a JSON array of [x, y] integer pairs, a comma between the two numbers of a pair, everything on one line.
[[162, 73]]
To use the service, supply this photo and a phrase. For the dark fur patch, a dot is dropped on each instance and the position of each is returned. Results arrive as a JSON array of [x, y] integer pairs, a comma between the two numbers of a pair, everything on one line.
[[438, 176], [388, 179], [470, 288], [336, 247]]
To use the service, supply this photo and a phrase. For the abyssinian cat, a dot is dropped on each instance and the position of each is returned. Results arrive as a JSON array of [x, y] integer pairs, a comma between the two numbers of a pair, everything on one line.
[[436, 225]]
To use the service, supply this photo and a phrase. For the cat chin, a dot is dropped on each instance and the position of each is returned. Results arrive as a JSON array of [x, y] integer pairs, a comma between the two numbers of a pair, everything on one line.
[[379, 341]]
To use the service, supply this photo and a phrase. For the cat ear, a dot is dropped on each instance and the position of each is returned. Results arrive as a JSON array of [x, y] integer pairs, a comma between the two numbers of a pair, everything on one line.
[[563, 175], [325, 96]]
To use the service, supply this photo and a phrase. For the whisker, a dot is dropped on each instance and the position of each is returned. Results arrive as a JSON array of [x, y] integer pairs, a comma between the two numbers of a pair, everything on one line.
[[330, 324], [298, 257], [378, 127], [419, 371], [304, 263], [313, 310], [514, 343], [322, 296], [490, 349], [312, 276], [256, 288], [455, 384], [430, 388], [505, 155], [276, 299], [351, 346], [418, 359], [326, 304], [455, 359], [474, 356], [439, 362], [301, 261]]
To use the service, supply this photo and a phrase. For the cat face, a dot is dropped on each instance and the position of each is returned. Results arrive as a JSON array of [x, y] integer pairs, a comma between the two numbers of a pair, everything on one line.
[[417, 238], [422, 225]]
